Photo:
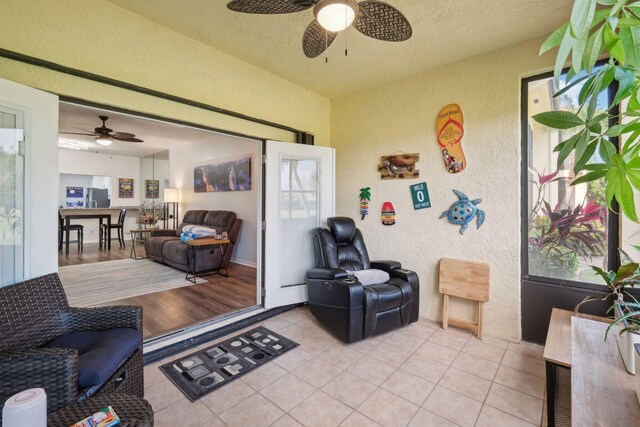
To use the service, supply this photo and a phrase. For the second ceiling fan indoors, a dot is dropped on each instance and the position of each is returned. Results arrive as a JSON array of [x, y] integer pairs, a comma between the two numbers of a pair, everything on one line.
[[105, 136], [374, 19]]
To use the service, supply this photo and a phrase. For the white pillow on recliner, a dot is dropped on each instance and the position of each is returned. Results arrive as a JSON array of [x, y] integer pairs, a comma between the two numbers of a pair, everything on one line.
[[370, 276]]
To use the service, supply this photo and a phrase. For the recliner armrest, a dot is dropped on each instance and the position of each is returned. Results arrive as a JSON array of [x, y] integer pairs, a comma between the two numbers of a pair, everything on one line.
[[163, 233], [54, 369], [385, 265], [327, 273]]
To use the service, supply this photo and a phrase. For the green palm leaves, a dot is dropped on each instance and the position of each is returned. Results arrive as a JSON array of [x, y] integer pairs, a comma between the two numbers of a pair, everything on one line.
[[614, 29]]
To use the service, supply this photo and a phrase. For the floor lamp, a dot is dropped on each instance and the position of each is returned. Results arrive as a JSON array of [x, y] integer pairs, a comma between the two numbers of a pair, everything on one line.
[[171, 207]]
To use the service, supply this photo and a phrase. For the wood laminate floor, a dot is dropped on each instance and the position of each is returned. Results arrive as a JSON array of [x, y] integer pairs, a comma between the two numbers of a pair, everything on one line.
[[178, 308], [92, 253]]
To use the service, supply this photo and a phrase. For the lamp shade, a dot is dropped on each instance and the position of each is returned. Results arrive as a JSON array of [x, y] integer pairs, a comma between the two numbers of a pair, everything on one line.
[[335, 15], [170, 195]]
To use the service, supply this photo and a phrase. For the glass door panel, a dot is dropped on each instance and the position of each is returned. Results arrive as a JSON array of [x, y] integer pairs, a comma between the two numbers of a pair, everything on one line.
[[11, 196], [567, 224], [298, 215]]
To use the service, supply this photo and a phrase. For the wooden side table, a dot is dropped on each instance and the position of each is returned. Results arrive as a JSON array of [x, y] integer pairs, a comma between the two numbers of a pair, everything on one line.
[[468, 280], [602, 391], [136, 235], [557, 352], [133, 411], [191, 254]]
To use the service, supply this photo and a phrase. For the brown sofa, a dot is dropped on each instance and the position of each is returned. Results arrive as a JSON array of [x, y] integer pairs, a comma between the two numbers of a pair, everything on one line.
[[166, 247]]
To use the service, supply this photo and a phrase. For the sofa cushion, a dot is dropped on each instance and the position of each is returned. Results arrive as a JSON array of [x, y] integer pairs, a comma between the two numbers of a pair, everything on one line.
[[100, 352], [176, 252], [154, 245], [220, 220], [193, 217]]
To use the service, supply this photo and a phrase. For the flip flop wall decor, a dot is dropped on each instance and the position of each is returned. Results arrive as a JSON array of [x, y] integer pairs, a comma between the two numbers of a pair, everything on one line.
[[450, 130]]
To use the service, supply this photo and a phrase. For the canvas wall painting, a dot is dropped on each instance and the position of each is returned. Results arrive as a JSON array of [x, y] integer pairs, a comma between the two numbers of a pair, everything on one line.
[[153, 189], [225, 174], [125, 188]]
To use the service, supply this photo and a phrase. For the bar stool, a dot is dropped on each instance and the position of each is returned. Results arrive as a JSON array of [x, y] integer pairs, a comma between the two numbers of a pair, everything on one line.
[[119, 226], [72, 227]]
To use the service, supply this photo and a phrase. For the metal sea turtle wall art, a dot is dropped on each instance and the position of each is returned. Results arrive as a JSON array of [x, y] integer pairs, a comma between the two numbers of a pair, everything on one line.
[[463, 211]]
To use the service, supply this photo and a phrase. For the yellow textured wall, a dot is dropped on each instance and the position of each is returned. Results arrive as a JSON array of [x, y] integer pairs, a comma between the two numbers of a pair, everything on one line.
[[400, 117], [99, 37]]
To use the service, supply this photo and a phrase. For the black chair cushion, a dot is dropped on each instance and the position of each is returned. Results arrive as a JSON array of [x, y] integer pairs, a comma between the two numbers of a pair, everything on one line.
[[389, 296], [342, 229], [100, 352]]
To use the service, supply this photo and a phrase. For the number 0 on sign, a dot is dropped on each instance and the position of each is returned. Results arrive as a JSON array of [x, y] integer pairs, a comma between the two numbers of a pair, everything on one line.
[[420, 195]]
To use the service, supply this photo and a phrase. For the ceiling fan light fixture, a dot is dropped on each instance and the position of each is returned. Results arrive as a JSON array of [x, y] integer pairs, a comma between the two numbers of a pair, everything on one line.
[[335, 15], [104, 140]]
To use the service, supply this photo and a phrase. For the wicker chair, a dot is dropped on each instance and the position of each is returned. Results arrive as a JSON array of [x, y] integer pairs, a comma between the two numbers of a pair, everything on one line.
[[34, 312]]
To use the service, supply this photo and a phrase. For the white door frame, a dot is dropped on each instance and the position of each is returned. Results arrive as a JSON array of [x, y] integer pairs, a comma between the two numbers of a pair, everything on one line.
[[41, 174]]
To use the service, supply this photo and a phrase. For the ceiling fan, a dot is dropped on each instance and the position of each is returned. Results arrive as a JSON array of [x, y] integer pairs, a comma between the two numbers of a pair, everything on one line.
[[374, 19], [105, 136]]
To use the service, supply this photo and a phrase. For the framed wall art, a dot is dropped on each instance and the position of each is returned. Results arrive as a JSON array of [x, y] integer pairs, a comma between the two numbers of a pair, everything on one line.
[[125, 188], [153, 189], [225, 174]]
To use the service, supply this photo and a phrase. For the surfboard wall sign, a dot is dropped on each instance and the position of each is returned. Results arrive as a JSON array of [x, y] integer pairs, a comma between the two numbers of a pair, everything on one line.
[[365, 197], [388, 214], [399, 166], [450, 130]]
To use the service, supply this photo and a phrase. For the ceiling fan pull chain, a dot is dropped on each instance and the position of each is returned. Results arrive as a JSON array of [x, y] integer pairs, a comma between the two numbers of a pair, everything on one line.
[[346, 33], [326, 46], [346, 43]]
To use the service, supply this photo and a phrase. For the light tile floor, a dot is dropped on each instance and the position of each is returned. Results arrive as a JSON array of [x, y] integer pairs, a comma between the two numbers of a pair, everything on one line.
[[419, 375]]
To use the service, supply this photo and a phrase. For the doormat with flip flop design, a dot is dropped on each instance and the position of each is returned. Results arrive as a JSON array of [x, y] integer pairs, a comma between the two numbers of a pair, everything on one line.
[[205, 370]]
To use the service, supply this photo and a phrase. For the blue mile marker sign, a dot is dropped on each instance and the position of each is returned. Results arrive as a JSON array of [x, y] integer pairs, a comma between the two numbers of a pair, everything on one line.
[[420, 196]]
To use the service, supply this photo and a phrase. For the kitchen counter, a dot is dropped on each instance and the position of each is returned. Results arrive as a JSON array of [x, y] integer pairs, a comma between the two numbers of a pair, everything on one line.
[[112, 208]]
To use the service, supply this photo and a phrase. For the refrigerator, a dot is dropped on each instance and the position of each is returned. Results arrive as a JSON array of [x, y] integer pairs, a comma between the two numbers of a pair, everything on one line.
[[97, 198]]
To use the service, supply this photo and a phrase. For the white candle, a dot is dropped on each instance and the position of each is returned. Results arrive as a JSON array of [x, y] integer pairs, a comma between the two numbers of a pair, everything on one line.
[[27, 408]]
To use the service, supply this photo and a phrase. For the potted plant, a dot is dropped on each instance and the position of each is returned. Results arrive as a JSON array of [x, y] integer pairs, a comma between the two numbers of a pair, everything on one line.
[[627, 275], [611, 29], [629, 315]]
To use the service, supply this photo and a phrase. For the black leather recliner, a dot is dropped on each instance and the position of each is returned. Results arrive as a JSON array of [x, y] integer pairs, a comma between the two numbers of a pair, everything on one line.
[[349, 309]]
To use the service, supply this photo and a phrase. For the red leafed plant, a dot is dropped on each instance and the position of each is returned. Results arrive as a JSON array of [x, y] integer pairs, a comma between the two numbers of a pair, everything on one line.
[[558, 236], [573, 229]]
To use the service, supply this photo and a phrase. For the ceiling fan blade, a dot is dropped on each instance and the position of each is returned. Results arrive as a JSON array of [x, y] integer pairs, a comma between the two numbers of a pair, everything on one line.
[[316, 39], [270, 7], [383, 22], [126, 139], [124, 136], [78, 133]]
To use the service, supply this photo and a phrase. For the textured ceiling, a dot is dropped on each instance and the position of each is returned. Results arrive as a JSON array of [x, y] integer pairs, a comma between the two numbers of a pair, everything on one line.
[[444, 31]]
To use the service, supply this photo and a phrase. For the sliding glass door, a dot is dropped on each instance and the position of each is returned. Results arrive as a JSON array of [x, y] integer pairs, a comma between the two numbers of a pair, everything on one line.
[[11, 196], [566, 229]]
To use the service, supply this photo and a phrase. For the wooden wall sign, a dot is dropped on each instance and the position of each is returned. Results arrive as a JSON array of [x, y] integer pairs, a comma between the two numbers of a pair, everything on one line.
[[399, 166], [450, 130]]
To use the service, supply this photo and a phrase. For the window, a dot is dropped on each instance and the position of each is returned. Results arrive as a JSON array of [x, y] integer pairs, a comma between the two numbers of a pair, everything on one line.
[[568, 228]]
